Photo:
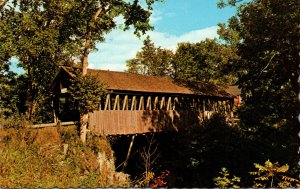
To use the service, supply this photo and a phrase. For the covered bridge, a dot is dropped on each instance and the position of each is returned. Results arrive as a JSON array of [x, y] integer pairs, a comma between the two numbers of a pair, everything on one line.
[[138, 103]]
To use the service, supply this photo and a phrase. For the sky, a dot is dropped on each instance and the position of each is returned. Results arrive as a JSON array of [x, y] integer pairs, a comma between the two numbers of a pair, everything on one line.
[[174, 21]]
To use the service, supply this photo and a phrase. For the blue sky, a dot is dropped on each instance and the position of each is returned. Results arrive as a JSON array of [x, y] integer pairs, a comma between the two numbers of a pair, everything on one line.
[[175, 21], [181, 16]]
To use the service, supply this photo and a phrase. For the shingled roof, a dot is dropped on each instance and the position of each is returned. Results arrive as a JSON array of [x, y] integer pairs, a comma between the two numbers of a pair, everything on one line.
[[123, 81], [234, 90]]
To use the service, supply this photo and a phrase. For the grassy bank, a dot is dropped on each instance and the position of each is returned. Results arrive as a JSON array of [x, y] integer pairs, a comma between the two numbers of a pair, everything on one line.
[[52, 157]]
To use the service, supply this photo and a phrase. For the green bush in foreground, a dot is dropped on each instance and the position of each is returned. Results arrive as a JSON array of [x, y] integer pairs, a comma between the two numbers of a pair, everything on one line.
[[268, 175]]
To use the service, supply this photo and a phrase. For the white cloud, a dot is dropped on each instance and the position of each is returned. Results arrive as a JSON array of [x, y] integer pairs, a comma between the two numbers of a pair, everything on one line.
[[155, 17], [121, 46], [170, 41], [113, 53], [199, 35]]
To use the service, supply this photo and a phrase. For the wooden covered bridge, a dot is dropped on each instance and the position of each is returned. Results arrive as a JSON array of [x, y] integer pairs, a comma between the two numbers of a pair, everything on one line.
[[139, 103]]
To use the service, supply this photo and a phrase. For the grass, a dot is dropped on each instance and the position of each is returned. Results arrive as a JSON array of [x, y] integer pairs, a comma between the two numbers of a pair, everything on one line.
[[52, 157]]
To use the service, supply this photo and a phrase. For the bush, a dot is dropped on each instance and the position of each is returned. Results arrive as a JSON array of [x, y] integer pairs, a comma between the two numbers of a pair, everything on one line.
[[267, 175], [14, 121], [44, 158], [223, 181]]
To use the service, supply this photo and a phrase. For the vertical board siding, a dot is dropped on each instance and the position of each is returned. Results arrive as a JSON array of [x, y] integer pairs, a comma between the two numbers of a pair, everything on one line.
[[105, 122]]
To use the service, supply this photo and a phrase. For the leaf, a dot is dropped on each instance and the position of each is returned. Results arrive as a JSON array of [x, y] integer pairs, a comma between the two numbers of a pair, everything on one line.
[[254, 173], [283, 168], [268, 164], [262, 178]]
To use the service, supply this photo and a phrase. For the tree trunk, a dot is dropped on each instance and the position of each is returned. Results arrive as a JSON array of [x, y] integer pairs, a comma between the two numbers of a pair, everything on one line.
[[31, 97], [83, 127], [87, 43], [86, 51]]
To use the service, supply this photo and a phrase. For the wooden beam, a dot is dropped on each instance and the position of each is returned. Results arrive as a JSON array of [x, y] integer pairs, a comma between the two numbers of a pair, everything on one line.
[[213, 106], [203, 108], [175, 102], [155, 103], [125, 103], [210, 104], [107, 102], [99, 108], [117, 103], [231, 108], [162, 103], [169, 103], [69, 123], [128, 153], [198, 104], [141, 105], [148, 106], [133, 103], [53, 108]]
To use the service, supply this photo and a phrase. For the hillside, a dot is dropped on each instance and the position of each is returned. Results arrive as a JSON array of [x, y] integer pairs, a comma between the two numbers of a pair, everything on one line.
[[51, 157]]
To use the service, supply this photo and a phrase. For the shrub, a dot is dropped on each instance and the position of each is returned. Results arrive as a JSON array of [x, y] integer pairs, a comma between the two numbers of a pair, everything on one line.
[[223, 181], [37, 158], [268, 175], [14, 121], [273, 175]]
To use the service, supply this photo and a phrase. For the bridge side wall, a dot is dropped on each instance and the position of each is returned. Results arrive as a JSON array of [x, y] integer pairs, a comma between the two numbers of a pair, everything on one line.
[[136, 114], [118, 122]]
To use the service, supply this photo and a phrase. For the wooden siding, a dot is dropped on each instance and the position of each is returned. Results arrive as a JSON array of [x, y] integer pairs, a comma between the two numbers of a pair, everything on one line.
[[117, 122]]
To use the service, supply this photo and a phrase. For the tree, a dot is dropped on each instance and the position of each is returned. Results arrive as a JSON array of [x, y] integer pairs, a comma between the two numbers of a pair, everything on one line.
[[223, 181], [206, 61], [32, 37], [46, 34], [267, 175], [6, 51], [273, 175], [151, 60], [7, 103], [86, 91], [268, 33]]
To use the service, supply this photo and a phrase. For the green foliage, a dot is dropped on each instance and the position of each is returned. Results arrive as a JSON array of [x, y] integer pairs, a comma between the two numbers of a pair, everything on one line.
[[222, 3], [44, 34], [7, 99], [268, 175], [272, 175], [15, 120], [195, 153], [151, 60], [86, 92], [35, 159], [223, 181], [268, 69], [266, 34], [206, 61]]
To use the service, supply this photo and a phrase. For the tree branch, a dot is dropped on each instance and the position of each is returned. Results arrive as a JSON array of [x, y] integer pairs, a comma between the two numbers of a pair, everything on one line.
[[267, 64], [88, 42], [2, 4]]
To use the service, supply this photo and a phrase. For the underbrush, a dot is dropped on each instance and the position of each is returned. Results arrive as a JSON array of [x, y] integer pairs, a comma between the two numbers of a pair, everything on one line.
[[16, 121], [52, 157]]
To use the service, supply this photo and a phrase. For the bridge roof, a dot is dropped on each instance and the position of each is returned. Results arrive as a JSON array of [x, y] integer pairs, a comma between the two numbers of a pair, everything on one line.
[[123, 81]]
